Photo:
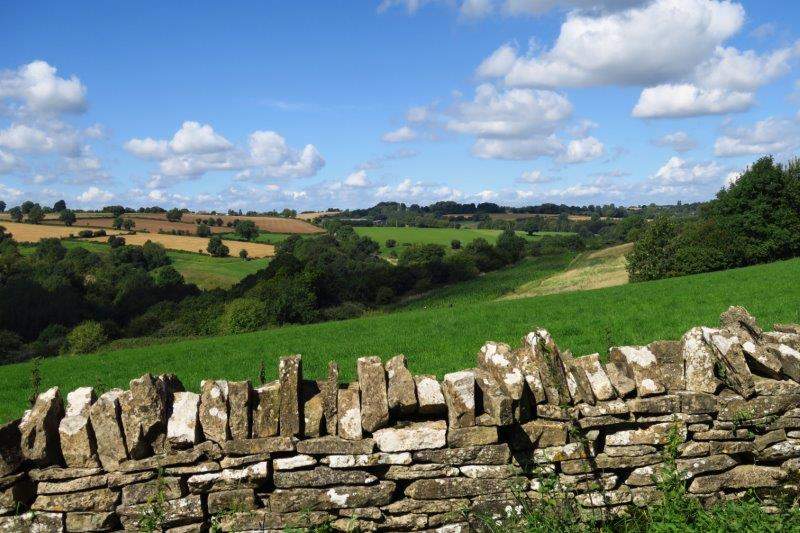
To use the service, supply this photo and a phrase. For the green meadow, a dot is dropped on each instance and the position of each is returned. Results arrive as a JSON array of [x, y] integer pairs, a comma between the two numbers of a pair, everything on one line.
[[441, 338]]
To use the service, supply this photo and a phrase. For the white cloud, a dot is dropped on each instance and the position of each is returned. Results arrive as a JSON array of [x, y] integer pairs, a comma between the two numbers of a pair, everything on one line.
[[486, 195], [148, 148], [677, 171], [732, 178], [418, 114], [538, 7], [273, 158], [499, 63], [582, 150], [510, 113], [94, 195], [402, 134], [656, 43], [42, 91], [680, 141], [769, 136], [534, 176], [411, 6], [474, 9], [31, 139], [9, 193], [517, 149], [687, 100], [196, 138], [579, 190], [357, 179], [7, 162], [732, 69]]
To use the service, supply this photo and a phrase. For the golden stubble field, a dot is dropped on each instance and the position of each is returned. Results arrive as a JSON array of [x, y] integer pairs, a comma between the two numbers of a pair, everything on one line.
[[197, 244], [37, 232]]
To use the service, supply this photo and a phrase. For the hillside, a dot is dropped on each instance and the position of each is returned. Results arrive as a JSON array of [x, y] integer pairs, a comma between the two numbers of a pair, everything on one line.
[[442, 339]]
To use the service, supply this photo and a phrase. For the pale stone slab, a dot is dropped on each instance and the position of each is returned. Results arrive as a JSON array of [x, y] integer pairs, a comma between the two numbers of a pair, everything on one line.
[[417, 436], [266, 413], [183, 426], [429, 395], [349, 415], [39, 429], [402, 394], [214, 410], [498, 359], [239, 400], [459, 394], [374, 400], [290, 372], [107, 425], [599, 382], [78, 446]]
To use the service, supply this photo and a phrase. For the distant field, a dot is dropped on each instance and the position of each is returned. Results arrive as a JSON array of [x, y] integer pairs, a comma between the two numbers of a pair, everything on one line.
[[443, 236], [589, 270], [441, 339], [316, 214], [269, 224], [517, 216], [37, 232], [198, 244], [265, 237], [149, 224], [203, 270]]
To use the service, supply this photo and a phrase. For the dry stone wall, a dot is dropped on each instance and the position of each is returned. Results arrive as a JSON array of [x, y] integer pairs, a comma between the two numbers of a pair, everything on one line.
[[398, 452]]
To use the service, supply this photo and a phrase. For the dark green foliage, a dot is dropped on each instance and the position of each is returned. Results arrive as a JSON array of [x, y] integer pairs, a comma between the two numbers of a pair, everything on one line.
[[10, 343], [67, 216], [203, 230], [2, 206], [59, 206], [16, 214], [167, 277], [511, 246], [35, 214], [242, 315], [86, 337], [455, 244], [128, 224], [116, 223], [243, 254], [391, 243], [174, 215], [246, 229], [755, 220], [116, 242], [216, 247]]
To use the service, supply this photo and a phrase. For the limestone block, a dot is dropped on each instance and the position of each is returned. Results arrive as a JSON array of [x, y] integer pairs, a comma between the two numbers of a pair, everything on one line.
[[416, 436], [459, 394], [330, 398], [183, 426], [105, 416], [78, 446], [429, 395], [498, 360], [39, 429], [349, 414], [266, 412], [374, 400], [598, 379], [643, 368], [214, 410], [401, 392], [290, 372], [239, 400]]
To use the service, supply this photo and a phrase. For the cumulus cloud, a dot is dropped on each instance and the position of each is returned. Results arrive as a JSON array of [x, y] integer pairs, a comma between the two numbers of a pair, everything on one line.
[[196, 149], [357, 179], [680, 141], [534, 176], [36, 140], [9, 193], [735, 70], [402, 134], [94, 195], [769, 136], [687, 100], [7, 162], [647, 45], [517, 149], [678, 174], [39, 87], [582, 150]]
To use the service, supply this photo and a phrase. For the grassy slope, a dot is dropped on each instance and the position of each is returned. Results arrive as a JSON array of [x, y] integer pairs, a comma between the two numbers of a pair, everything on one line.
[[203, 270], [443, 236], [442, 339]]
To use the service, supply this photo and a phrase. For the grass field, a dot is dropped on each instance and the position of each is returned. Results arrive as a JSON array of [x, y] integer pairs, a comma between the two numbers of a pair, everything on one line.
[[440, 339], [589, 270], [443, 236], [203, 270], [37, 232], [263, 237]]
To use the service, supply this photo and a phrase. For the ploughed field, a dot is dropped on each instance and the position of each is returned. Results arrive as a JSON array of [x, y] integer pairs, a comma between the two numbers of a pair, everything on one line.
[[37, 232], [439, 339], [197, 244]]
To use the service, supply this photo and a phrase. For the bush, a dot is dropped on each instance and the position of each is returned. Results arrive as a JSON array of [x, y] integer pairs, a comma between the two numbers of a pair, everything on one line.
[[99, 233], [455, 244], [116, 242], [385, 295], [460, 267], [10, 344], [203, 230], [345, 311], [216, 247], [242, 315], [391, 243], [243, 253], [86, 337], [85, 233]]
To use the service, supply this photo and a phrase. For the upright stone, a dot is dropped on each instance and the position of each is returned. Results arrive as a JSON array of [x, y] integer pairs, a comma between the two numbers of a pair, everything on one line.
[[498, 360], [78, 444], [183, 426], [330, 398], [239, 399], [349, 415], [698, 363], [214, 410], [290, 373], [643, 368], [374, 401], [790, 361], [39, 429], [617, 374], [577, 382], [669, 358], [741, 323], [459, 395], [429, 395], [144, 415], [402, 394], [498, 405], [10, 453], [267, 409], [105, 416], [730, 354], [313, 416], [598, 379], [546, 357]]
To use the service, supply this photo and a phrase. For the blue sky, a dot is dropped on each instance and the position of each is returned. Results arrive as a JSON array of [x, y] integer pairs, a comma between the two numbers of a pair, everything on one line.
[[266, 105]]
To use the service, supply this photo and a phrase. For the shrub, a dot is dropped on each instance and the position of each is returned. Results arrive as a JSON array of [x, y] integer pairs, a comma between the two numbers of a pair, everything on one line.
[[99, 233], [243, 253], [384, 296], [86, 337], [174, 214], [242, 315], [345, 311], [68, 217], [391, 243], [116, 242], [246, 229], [216, 247], [10, 343], [455, 244], [203, 230], [85, 233]]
